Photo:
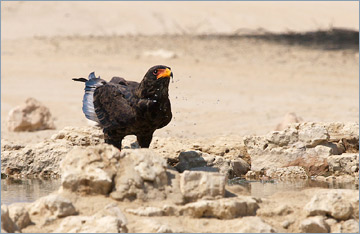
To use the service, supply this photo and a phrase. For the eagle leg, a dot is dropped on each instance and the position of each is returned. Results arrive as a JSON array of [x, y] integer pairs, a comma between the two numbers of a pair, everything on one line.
[[116, 143], [144, 140], [113, 141]]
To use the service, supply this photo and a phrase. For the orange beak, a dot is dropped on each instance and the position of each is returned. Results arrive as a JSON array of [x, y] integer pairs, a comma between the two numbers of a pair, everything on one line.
[[162, 73]]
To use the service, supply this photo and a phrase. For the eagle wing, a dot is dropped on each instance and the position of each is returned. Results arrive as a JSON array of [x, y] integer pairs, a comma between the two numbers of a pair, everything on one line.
[[113, 107]]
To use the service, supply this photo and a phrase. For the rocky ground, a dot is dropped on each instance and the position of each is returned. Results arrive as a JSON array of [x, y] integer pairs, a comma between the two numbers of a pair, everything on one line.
[[238, 68], [187, 179]]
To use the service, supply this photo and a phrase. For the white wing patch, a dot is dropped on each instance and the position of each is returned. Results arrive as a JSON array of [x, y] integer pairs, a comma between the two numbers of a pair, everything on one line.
[[88, 100]]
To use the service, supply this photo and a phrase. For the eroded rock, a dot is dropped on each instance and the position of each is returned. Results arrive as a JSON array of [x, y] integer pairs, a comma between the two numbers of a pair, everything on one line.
[[142, 175], [334, 203], [195, 185], [90, 170], [7, 224], [347, 163], [43, 159], [315, 224], [350, 226], [254, 225], [31, 116], [289, 118], [225, 208], [292, 172], [51, 207], [306, 145], [146, 211], [108, 220], [18, 212]]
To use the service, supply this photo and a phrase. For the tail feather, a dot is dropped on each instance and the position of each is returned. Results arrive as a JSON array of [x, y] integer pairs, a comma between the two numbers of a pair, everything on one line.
[[80, 79], [88, 100]]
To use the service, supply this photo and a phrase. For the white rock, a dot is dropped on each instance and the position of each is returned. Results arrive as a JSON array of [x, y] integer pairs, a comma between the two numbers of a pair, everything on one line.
[[52, 206], [254, 225], [90, 170], [292, 172], [314, 225], [289, 118], [141, 175], [195, 185], [7, 224], [226, 208], [146, 211], [344, 162], [155, 226], [313, 134], [350, 226], [19, 214], [108, 220], [306, 144], [334, 203], [285, 224], [43, 159], [31, 116]]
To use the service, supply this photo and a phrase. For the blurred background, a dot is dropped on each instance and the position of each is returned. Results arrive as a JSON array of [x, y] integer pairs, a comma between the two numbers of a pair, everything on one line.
[[239, 67]]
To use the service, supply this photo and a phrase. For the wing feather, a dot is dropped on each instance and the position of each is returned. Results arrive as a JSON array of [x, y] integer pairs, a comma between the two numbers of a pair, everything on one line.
[[112, 108]]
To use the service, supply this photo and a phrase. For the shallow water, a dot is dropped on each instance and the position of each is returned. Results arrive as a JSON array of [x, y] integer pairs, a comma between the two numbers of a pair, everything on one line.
[[26, 190], [269, 187], [29, 190]]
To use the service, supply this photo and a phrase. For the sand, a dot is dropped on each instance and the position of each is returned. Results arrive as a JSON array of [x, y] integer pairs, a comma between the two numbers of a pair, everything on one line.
[[222, 85]]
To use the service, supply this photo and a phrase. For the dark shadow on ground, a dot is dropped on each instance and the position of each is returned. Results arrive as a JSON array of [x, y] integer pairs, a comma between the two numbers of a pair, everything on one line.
[[332, 39]]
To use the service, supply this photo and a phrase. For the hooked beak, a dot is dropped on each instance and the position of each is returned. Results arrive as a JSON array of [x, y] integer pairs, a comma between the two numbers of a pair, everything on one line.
[[163, 73]]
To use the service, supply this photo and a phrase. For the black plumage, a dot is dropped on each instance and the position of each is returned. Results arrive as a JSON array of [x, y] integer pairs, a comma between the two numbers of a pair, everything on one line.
[[124, 107]]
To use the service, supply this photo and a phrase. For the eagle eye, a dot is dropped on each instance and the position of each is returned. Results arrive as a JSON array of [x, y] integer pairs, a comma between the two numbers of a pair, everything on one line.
[[155, 72]]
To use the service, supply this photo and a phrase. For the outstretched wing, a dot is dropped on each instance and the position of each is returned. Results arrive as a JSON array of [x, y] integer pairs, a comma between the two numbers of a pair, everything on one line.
[[112, 106]]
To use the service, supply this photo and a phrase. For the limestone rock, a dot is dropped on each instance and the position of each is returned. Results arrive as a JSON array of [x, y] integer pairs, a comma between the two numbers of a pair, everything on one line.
[[19, 214], [306, 144], [229, 147], [90, 170], [344, 162], [313, 134], [190, 159], [146, 211], [239, 167], [289, 118], [350, 226], [314, 225], [254, 225], [7, 224], [195, 185], [52, 206], [200, 161], [154, 226], [281, 210], [141, 175], [225, 208], [31, 116], [335, 203], [43, 159], [339, 131], [79, 136], [108, 220], [292, 172]]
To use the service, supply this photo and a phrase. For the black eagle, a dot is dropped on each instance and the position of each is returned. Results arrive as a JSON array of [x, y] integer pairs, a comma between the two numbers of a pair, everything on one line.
[[124, 107]]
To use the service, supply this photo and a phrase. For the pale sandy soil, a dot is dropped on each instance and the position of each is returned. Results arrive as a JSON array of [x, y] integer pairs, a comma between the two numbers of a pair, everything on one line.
[[222, 85]]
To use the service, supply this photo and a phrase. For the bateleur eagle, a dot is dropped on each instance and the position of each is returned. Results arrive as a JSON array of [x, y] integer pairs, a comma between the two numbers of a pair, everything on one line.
[[124, 107]]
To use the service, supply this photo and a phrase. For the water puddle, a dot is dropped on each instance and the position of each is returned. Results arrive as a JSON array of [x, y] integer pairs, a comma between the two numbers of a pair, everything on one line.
[[29, 190], [26, 190], [269, 187]]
